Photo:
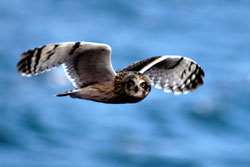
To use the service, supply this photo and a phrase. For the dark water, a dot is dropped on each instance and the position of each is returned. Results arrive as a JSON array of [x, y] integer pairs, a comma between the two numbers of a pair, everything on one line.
[[206, 128]]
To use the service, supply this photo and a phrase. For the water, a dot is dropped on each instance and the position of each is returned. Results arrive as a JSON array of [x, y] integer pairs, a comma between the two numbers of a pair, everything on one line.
[[209, 127]]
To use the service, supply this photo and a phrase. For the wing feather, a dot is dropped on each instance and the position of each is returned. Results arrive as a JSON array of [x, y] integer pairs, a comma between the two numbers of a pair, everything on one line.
[[175, 74], [84, 62]]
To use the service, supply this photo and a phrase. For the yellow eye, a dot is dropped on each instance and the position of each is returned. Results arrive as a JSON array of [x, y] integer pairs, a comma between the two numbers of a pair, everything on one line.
[[131, 83], [143, 84]]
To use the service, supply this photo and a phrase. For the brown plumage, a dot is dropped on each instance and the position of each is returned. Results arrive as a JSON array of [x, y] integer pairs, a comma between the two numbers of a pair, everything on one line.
[[119, 91]]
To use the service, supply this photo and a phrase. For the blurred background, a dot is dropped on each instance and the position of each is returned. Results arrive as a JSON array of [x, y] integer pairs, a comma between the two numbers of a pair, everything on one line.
[[208, 127]]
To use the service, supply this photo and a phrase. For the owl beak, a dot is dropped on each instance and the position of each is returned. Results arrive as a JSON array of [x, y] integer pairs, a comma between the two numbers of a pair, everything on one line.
[[136, 89]]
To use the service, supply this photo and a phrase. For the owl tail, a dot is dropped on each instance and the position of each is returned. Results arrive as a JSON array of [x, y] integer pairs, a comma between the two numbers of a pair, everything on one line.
[[68, 93]]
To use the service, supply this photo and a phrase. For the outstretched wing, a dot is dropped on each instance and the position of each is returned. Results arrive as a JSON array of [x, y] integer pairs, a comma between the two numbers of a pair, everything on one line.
[[84, 62], [171, 73]]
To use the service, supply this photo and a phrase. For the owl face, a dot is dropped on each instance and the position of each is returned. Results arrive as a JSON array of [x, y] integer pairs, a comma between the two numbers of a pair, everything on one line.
[[137, 85]]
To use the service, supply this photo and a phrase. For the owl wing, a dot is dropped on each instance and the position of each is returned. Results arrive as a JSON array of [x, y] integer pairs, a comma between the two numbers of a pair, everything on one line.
[[171, 73], [84, 62]]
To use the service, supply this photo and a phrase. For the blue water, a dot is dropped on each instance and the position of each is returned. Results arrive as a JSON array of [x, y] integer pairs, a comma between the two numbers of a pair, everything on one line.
[[206, 128]]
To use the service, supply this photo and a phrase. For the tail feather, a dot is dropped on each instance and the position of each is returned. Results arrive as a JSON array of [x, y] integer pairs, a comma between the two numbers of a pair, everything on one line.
[[67, 93]]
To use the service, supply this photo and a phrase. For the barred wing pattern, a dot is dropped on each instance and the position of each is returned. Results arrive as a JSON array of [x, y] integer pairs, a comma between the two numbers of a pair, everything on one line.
[[171, 73], [84, 62]]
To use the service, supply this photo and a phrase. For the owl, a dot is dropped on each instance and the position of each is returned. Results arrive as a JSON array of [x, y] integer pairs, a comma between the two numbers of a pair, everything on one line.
[[88, 66]]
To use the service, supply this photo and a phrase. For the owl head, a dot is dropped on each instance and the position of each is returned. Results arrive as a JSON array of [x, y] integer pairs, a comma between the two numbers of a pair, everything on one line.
[[137, 85]]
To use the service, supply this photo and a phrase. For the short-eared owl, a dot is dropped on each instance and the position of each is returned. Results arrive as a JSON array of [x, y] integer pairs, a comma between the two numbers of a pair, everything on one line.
[[88, 66]]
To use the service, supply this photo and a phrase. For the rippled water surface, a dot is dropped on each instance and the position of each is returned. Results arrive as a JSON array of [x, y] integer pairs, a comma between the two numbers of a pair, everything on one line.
[[206, 128]]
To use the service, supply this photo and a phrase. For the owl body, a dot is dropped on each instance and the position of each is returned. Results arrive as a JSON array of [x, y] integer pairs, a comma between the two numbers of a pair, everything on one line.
[[88, 66], [126, 88]]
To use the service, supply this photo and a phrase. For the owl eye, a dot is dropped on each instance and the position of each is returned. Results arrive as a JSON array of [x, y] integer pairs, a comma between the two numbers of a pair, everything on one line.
[[131, 82], [143, 85]]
